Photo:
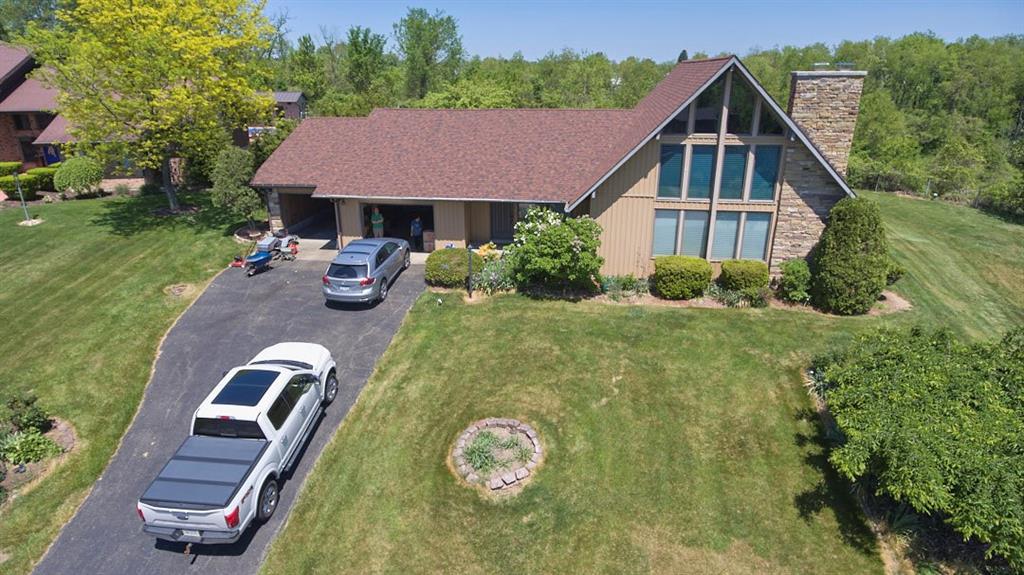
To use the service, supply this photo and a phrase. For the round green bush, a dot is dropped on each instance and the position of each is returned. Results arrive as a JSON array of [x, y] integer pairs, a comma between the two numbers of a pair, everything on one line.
[[449, 267], [681, 277], [740, 275], [78, 175], [29, 186], [795, 283], [9, 168], [851, 261]]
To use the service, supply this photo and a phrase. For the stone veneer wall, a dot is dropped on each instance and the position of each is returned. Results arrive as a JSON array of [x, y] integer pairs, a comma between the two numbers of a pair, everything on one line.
[[825, 105], [807, 194]]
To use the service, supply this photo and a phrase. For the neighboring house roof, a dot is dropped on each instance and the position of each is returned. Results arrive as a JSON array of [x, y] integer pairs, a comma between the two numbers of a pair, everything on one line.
[[30, 96], [527, 155], [287, 97], [11, 60], [56, 132]]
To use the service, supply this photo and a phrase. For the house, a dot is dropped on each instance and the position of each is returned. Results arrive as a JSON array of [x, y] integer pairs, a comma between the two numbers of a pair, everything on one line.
[[26, 109], [707, 164], [291, 105]]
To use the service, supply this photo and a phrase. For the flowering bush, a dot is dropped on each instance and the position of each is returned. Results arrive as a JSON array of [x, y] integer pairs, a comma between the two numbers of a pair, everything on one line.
[[494, 277], [549, 250]]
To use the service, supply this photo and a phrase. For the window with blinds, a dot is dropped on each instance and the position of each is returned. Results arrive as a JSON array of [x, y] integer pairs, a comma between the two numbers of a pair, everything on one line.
[[755, 236], [766, 171], [727, 226], [702, 172], [670, 176], [734, 168], [666, 224], [695, 233]]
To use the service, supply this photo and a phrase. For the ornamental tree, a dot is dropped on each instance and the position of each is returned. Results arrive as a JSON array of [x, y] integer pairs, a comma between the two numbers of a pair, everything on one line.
[[231, 173], [551, 250], [145, 81]]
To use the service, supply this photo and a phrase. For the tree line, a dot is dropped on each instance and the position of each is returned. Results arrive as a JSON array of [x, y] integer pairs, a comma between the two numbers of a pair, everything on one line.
[[937, 117]]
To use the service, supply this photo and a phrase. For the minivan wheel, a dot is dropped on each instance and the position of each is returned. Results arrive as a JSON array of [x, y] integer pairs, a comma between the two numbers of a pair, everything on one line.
[[383, 293], [269, 497], [330, 389]]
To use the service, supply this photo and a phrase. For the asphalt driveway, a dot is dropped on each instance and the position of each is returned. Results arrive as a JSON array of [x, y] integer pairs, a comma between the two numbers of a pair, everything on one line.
[[231, 321]]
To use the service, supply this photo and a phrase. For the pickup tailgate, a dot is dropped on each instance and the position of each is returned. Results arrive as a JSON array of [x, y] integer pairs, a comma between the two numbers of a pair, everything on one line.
[[200, 480]]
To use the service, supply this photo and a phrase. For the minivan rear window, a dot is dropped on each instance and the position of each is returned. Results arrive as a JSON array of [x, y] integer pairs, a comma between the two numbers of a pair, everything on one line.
[[227, 428], [346, 271]]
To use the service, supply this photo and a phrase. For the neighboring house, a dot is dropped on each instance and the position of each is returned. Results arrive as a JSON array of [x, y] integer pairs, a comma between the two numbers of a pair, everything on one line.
[[291, 105], [706, 165], [26, 109]]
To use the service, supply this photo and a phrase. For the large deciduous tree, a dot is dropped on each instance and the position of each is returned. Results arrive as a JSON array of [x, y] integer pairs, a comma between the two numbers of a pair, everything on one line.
[[431, 48], [145, 81], [366, 60]]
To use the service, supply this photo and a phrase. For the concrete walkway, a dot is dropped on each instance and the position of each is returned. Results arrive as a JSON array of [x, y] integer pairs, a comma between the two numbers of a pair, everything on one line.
[[231, 321]]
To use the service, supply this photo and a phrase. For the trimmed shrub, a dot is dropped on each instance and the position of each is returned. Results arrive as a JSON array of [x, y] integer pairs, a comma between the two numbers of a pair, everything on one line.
[[27, 446], [78, 175], [740, 275], [852, 259], [45, 176], [29, 186], [681, 277], [795, 283], [553, 251], [449, 267], [9, 168]]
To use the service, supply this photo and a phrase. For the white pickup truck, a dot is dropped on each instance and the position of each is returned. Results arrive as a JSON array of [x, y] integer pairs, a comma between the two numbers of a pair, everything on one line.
[[246, 433]]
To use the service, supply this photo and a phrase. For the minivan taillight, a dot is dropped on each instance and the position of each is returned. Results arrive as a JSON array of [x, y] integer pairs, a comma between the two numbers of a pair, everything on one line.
[[327, 281], [232, 519], [367, 281], [139, 510]]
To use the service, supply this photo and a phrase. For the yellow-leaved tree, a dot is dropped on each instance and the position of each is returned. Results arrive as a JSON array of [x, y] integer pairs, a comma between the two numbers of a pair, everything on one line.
[[147, 81]]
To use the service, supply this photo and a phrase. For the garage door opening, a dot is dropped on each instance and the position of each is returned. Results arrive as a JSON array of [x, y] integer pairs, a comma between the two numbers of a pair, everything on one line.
[[309, 217], [398, 221]]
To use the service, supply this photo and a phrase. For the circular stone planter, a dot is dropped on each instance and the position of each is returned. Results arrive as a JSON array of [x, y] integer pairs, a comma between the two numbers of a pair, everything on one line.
[[510, 475]]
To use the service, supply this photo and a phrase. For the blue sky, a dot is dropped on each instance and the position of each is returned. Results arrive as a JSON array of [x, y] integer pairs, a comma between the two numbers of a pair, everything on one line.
[[660, 29]]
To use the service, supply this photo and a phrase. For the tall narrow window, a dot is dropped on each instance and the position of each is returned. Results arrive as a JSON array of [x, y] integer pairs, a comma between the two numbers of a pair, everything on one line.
[[708, 109], [741, 107], [766, 171], [702, 172], [671, 175], [678, 124], [727, 224], [770, 125], [755, 236], [666, 223], [734, 168], [695, 233]]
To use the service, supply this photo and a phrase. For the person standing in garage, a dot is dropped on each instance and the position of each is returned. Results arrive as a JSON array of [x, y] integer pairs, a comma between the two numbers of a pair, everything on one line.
[[416, 233], [377, 222]]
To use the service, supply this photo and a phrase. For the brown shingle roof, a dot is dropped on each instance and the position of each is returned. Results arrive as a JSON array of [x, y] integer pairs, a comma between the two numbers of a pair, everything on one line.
[[551, 155], [30, 96], [56, 132], [11, 59]]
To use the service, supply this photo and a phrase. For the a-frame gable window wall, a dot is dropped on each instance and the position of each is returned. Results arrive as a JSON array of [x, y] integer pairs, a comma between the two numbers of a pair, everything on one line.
[[725, 151]]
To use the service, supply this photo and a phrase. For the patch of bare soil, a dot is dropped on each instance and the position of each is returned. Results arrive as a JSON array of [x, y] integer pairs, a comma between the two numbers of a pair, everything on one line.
[[245, 235], [890, 302], [180, 290], [63, 434]]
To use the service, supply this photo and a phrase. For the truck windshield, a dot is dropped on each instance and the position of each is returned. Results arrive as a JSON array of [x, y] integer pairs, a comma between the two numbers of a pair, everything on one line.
[[227, 428]]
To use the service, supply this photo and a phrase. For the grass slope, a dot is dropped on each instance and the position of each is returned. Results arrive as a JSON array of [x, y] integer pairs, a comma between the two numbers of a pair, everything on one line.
[[679, 440], [965, 268], [82, 310]]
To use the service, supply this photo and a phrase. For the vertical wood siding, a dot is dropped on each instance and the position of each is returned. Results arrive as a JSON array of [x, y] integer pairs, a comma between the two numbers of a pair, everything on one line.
[[351, 220], [624, 206], [450, 223]]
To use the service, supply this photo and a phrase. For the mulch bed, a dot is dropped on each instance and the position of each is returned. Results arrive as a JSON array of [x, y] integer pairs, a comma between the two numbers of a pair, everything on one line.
[[64, 435]]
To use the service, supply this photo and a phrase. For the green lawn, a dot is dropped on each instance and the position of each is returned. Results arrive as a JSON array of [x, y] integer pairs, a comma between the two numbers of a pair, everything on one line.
[[679, 440], [83, 311]]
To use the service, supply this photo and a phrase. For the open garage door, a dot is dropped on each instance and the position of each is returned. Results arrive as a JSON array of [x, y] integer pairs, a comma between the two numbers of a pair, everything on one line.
[[398, 220]]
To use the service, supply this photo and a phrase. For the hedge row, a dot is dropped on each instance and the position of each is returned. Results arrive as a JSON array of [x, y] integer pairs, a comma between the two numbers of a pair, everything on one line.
[[449, 267], [45, 176], [9, 168], [681, 277], [30, 185]]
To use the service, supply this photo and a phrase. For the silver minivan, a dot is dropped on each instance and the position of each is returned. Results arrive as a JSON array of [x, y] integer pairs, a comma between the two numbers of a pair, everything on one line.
[[364, 270]]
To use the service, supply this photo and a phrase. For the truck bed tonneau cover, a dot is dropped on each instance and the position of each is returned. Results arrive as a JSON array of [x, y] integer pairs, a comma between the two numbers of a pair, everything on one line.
[[205, 472]]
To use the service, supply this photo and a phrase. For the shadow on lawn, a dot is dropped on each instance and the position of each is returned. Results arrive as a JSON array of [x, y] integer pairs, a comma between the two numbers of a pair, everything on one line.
[[832, 491], [133, 215]]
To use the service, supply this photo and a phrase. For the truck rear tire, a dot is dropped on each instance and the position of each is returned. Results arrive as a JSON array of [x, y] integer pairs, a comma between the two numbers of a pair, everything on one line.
[[267, 503]]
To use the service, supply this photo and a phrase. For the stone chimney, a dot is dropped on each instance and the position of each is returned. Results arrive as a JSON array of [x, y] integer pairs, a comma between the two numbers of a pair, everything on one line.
[[824, 103]]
